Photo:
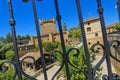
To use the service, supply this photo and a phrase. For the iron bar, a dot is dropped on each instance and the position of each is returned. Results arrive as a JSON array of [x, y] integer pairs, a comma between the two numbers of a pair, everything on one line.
[[105, 42], [39, 39], [58, 17], [12, 23], [118, 7], [90, 77]]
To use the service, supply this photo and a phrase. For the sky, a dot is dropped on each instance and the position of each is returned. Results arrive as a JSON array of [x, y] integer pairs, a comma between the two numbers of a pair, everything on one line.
[[23, 14]]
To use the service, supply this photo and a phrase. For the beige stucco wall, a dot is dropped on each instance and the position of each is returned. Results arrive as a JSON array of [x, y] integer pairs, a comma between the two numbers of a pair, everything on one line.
[[57, 37], [90, 35], [51, 38]]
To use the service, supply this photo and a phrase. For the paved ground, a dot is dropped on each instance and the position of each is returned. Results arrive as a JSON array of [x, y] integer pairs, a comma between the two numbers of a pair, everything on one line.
[[50, 73], [104, 65], [52, 70]]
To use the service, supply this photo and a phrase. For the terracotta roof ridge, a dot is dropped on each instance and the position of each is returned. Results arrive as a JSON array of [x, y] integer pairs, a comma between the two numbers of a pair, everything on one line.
[[90, 19], [111, 25]]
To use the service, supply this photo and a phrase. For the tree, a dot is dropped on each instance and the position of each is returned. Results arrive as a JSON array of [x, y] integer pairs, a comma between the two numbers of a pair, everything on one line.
[[10, 55], [64, 27], [50, 46], [4, 47], [27, 37], [78, 61], [74, 32], [2, 39], [10, 73], [117, 26], [19, 37], [8, 38]]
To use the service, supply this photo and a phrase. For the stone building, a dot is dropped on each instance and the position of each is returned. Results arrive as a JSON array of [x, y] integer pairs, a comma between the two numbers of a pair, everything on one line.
[[111, 28], [25, 46], [93, 31], [26, 64], [49, 33], [112, 34], [52, 37], [48, 26]]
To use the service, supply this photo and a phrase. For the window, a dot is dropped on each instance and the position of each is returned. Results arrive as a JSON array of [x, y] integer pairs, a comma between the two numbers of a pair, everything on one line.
[[66, 40], [98, 42], [89, 43], [89, 23], [88, 29], [98, 48], [96, 34]]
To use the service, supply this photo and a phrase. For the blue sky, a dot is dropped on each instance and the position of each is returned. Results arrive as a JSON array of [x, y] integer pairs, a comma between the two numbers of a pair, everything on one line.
[[25, 21]]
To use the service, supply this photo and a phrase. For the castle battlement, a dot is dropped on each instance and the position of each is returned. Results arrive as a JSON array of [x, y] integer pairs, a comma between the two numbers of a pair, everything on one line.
[[42, 21], [48, 26]]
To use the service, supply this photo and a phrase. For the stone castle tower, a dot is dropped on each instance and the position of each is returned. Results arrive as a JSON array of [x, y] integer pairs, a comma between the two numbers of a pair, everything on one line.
[[48, 26]]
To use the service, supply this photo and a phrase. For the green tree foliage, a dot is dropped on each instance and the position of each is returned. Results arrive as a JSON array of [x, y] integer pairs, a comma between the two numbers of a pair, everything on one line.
[[79, 26], [64, 27], [74, 32], [7, 46], [19, 37], [50, 46], [6, 52], [79, 62], [26, 37], [4, 47], [9, 74], [8, 38], [2, 39], [10, 55], [117, 26]]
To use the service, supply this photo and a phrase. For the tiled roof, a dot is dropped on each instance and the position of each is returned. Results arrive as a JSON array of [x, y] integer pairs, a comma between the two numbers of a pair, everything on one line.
[[36, 55], [90, 19], [22, 41], [111, 26]]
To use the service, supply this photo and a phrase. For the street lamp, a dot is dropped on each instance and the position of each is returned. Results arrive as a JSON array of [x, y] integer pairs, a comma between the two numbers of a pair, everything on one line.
[[39, 37]]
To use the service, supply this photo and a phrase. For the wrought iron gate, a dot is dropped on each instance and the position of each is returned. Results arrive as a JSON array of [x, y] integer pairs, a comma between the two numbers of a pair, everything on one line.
[[90, 75]]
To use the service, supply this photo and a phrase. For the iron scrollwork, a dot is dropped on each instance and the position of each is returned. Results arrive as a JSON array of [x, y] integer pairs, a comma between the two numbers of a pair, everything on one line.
[[69, 62], [58, 52], [65, 54], [101, 60], [6, 68], [116, 45], [31, 64], [75, 55], [17, 65]]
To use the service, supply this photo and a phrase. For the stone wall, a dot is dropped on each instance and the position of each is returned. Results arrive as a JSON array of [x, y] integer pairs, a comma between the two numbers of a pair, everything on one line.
[[48, 26], [115, 52]]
